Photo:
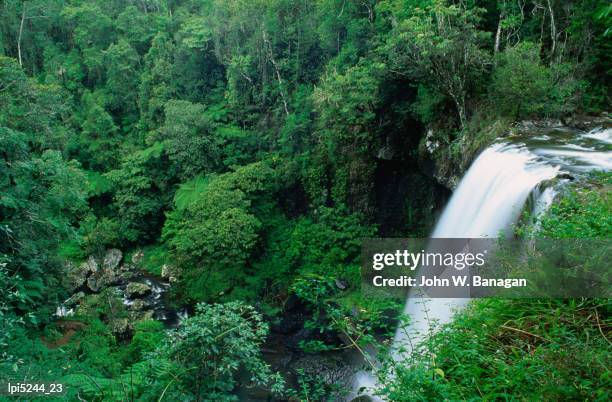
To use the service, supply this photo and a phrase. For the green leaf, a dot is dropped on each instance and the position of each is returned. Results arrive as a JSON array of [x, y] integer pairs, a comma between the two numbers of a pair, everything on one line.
[[97, 183], [189, 191]]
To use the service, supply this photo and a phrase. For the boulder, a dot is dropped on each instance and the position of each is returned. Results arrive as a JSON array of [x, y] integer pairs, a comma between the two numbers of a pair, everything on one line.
[[75, 277], [93, 285], [112, 258], [101, 279], [138, 305], [141, 315], [328, 369], [170, 272], [127, 272], [136, 289], [92, 264]]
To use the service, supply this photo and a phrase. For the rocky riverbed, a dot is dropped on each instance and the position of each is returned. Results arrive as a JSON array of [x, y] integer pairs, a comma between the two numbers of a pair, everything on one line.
[[124, 285]]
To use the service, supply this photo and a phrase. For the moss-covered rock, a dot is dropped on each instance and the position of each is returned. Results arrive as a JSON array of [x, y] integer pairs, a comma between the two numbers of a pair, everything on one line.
[[136, 289]]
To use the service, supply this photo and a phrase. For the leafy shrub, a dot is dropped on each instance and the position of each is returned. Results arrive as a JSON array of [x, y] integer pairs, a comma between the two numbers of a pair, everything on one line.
[[582, 212], [524, 87], [147, 337], [546, 350], [212, 346]]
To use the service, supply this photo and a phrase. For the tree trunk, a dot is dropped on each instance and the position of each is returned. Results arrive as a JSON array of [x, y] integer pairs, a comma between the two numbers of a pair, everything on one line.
[[460, 104], [462, 115], [276, 69], [23, 15], [553, 32], [498, 34]]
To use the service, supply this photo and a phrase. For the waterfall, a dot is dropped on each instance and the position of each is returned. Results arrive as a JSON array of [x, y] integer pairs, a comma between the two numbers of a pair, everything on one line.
[[487, 203]]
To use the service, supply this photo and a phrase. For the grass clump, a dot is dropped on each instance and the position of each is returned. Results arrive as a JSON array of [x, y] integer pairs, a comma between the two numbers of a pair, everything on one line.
[[528, 349]]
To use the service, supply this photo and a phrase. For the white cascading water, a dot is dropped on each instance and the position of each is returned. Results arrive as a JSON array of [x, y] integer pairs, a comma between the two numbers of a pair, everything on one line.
[[486, 203]]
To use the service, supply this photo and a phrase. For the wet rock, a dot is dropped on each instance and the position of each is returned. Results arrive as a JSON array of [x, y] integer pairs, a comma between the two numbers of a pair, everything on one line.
[[138, 305], [137, 257], [102, 279], [431, 144], [127, 272], [76, 277], [170, 272], [450, 182], [136, 289], [93, 285], [589, 122], [292, 320], [141, 315], [92, 264], [63, 311], [329, 369], [112, 258], [529, 125]]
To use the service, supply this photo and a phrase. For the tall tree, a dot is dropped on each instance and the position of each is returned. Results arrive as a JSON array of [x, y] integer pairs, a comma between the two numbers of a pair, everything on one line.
[[443, 46]]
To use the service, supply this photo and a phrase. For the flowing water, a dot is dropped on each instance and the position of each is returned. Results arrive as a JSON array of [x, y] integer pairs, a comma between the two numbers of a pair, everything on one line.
[[156, 301], [488, 202]]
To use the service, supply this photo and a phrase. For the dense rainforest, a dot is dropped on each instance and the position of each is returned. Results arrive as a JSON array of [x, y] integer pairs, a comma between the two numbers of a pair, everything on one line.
[[241, 150]]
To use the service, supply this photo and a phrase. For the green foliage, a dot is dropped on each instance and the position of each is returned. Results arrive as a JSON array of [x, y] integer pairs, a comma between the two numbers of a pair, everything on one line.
[[99, 137], [122, 64], [214, 344], [155, 256], [190, 191], [10, 294], [523, 87], [139, 197], [217, 229], [519, 349], [246, 142], [427, 104], [42, 195], [98, 183], [215, 226], [326, 245], [212, 236], [583, 212], [97, 344], [357, 319], [95, 235], [442, 44], [310, 387], [347, 103], [148, 335], [189, 139]]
